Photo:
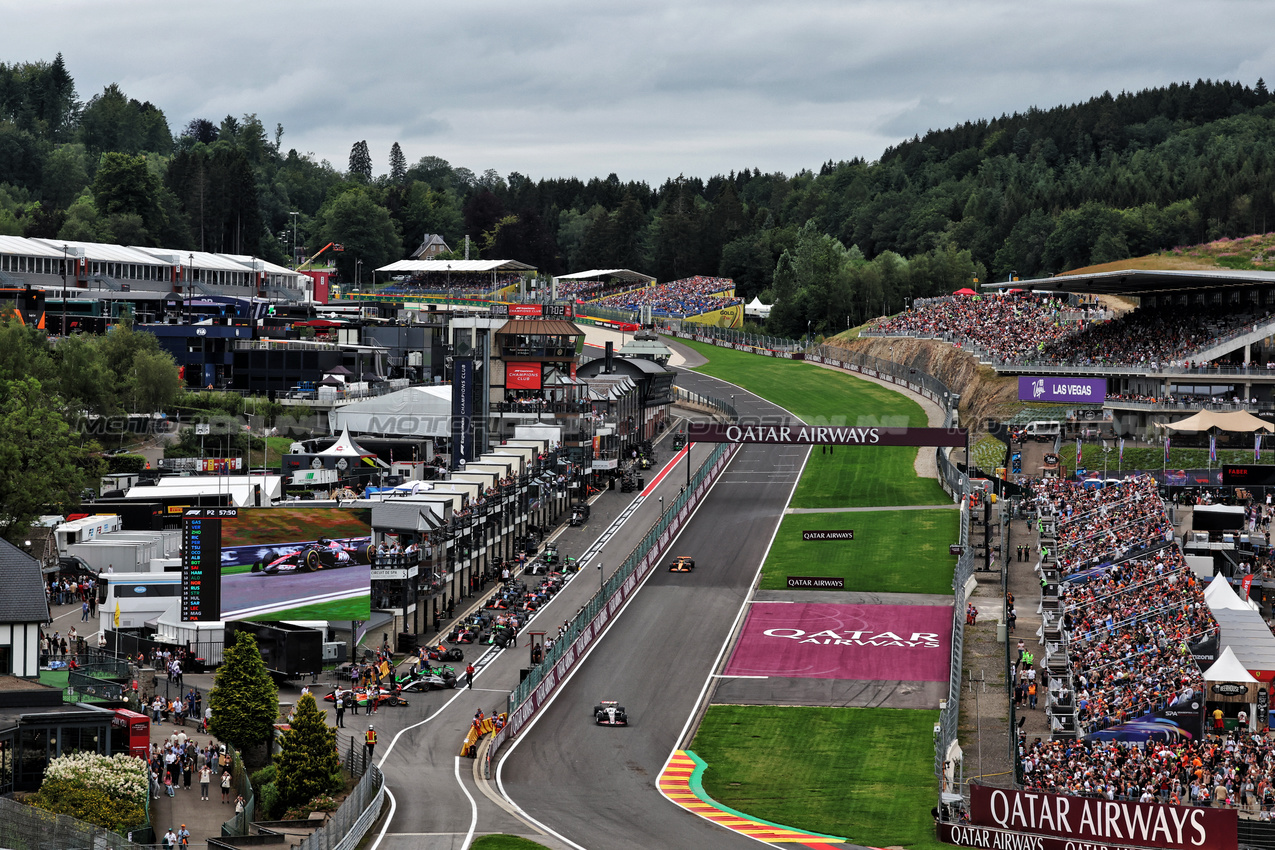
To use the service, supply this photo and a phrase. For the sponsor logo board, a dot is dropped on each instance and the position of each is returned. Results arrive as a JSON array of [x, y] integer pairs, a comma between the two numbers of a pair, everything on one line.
[[848, 534], [816, 583], [1063, 389]]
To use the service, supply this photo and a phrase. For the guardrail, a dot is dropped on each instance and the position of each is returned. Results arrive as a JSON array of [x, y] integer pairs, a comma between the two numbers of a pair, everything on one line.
[[730, 338], [534, 692], [350, 823]]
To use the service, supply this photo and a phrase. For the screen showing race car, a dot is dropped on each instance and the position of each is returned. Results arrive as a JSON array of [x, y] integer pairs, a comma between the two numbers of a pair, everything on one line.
[[281, 564]]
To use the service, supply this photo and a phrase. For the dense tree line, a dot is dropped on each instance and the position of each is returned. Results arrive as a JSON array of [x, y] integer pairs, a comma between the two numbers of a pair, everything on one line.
[[1034, 193], [50, 394]]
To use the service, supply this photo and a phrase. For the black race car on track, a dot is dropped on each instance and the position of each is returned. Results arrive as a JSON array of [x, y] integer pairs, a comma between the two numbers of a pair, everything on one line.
[[610, 713], [682, 564], [322, 554]]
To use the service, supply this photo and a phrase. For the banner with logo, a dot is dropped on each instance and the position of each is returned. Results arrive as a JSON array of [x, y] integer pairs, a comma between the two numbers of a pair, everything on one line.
[[1066, 390], [1096, 822], [523, 376], [829, 641]]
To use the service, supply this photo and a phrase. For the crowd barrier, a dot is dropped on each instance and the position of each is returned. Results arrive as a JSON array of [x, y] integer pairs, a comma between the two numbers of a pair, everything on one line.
[[534, 692]]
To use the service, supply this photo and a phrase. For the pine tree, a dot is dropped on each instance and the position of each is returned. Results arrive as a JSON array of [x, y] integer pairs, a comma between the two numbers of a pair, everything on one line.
[[244, 699], [360, 162], [307, 763], [398, 164]]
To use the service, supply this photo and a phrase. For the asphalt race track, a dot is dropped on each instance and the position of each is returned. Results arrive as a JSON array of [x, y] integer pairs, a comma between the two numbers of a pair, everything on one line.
[[595, 786], [436, 800]]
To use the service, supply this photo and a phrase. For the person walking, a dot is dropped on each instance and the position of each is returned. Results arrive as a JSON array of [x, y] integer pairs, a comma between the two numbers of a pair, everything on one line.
[[469, 676], [369, 741]]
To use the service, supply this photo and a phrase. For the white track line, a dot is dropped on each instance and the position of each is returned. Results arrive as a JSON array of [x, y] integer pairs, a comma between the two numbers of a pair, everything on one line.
[[730, 636], [388, 819], [473, 808], [500, 764]]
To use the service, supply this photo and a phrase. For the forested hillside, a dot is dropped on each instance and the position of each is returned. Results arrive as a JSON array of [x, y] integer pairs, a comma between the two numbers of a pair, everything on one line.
[[1034, 193]]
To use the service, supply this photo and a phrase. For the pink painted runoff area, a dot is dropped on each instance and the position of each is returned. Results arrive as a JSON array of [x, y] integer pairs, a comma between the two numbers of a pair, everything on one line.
[[907, 643]]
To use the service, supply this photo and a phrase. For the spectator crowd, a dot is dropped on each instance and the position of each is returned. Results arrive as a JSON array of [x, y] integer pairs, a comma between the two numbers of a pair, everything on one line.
[[687, 297], [1028, 329]]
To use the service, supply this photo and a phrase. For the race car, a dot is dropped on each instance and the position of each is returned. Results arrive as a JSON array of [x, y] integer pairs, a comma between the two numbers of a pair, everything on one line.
[[323, 553], [682, 564], [382, 697], [436, 679], [610, 713]]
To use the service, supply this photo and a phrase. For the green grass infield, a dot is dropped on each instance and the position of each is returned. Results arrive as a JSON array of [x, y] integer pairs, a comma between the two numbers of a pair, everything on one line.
[[865, 773], [842, 476], [893, 551]]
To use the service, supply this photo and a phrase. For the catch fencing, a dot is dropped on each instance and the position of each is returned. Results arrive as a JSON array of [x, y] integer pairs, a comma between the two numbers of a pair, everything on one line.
[[534, 692], [351, 821]]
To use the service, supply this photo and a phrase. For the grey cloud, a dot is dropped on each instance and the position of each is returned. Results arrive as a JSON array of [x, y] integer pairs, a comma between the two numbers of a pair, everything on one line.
[[648, 88]]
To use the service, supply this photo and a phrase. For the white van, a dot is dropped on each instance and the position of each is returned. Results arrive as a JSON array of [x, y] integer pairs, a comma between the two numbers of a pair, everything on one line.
[[1043, 430]]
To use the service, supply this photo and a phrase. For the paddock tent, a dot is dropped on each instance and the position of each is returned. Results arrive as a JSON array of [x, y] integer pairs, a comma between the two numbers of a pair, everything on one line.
[[1228, 668], [757, 309], [1236, 421], [412, 412]]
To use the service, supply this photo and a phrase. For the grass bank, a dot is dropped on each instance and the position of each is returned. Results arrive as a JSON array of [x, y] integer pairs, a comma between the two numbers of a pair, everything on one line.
[[865, 773], [892, 551]]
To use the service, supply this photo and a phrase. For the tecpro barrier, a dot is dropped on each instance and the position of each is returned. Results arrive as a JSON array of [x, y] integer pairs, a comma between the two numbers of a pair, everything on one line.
[[535, 691]]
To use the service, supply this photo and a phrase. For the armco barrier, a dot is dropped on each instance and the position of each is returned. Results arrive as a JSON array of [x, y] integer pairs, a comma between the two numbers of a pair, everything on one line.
[[534, 693]]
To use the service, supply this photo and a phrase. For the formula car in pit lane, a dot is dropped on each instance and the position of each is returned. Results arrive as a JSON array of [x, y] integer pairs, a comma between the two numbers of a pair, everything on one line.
[[442, 653], [322, 554], [432, 679], [383, 697], [610, 713], [682, 564]]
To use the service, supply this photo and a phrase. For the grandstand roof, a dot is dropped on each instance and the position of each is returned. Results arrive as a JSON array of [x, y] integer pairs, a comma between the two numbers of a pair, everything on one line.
[[445, 266], [1140, 281], [619, 274], [19, 245]]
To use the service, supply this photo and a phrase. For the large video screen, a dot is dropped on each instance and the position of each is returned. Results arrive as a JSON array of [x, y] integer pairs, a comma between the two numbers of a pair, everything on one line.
[[277, 564]]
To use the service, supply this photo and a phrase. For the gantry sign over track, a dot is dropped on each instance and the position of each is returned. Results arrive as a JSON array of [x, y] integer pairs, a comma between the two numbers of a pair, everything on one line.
[[812, 435]]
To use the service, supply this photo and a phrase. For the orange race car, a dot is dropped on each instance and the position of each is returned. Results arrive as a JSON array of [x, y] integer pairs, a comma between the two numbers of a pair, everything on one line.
[[682, 564]]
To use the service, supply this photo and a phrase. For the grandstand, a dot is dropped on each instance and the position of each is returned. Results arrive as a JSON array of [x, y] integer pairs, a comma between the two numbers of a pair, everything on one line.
[[453, 278], [678, 299]]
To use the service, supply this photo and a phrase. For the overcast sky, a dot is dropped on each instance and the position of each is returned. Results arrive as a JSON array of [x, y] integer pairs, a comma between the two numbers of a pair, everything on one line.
[[647, 89]]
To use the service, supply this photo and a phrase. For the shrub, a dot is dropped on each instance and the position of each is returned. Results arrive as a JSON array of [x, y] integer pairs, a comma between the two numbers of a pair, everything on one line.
[[321, 803], [265, 776], [130, 464], [267, 797], [107, 791]]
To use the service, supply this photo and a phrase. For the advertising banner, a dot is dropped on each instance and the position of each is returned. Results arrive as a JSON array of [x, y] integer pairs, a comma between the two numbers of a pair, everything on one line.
[[806, 435], [1113, 823], [1065, 390], [523, 376], [883, 643], [462, 410]]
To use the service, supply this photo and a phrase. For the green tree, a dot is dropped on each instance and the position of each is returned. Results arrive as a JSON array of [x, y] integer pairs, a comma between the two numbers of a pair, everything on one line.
[[66, 175], [38, 454], [244, 699], [307, 762], [398, 164], [360, 162], [82, 220], [152, 381], [364, 227]]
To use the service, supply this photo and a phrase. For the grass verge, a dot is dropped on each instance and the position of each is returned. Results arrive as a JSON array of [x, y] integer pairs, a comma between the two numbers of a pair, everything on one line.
[[865, 773], [892, 551], [503, 842], [846, 476]]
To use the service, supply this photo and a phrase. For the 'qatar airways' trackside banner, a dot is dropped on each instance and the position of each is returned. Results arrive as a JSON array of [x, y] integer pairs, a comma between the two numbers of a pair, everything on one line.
[[1041, 819], [808, 435], [539, 697]]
